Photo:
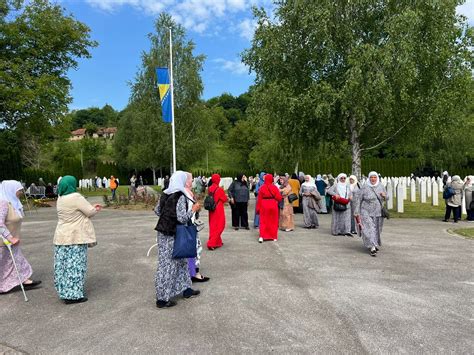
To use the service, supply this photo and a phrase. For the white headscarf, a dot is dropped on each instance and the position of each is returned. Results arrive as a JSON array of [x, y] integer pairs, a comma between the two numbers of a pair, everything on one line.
[[177, 183], [342, 186], [354, 184], [309, 183], [8, 189], [318, 177], [471, 180], [373, 173]]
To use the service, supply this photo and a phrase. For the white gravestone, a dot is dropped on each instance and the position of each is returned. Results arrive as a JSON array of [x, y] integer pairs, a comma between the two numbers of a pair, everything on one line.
[[428, 187], [434, 200], [389, 195], [400, 199], [423, 191], [440, 184], [413, 191], [405, 192], [463, 204]]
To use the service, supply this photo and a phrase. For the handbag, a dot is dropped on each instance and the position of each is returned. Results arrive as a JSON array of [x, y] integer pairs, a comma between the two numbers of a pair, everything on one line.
[[185, 241], [292, 197], [339, 207], [384, 211]]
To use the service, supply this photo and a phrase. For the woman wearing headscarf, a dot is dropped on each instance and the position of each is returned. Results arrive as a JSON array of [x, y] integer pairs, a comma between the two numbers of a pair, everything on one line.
[[267, 208], [469, 196], [454, 202], [311, 203], [239, 195], [74, 233], [172, 275], [286, 214], [321, 185], [341, 220], [194, 263], [11, 218], [256, 220], [368, 210], [295, 188], [355, 187], [216, 217]]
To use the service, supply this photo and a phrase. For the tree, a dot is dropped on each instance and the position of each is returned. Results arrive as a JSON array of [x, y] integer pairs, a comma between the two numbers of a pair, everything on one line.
[[150, 138], [39, 44], [360, 72]]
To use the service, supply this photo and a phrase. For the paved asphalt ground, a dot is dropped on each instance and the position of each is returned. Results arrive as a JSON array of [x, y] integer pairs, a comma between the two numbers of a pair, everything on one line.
[[309, 292]]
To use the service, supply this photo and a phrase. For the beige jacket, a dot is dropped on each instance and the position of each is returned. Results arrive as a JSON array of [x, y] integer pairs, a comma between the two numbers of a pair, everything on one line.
[[74, 225]]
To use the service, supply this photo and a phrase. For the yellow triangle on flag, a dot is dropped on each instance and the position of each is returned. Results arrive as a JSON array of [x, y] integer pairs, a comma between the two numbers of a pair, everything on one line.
[[163, 90]]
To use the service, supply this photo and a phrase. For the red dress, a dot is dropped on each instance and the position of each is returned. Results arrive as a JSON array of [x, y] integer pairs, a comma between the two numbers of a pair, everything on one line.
[[267, 207], [216, 217]]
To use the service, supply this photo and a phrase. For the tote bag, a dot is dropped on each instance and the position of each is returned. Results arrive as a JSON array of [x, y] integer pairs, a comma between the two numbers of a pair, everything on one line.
[[185, 241]]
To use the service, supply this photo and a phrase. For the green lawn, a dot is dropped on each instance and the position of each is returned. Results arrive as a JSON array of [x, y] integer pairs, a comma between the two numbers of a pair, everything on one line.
[[420, 210], [465, 232], [122, 190]]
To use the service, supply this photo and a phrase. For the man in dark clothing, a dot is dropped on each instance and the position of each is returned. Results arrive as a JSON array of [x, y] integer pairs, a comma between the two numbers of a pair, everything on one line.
[[166, 182]]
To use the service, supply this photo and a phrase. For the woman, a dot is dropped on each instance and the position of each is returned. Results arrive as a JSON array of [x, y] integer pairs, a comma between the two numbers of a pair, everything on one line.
[[321, 186], [74, 233], [311, 203], [368, 212], [113, 186], [11, 217], [341, 220], [239, 195], [286, 215], [469, 193], [172, 275], [194, 263], [355, 187], [454, 202], [267, 209], [256, 220], [216, 217], [295, 188]]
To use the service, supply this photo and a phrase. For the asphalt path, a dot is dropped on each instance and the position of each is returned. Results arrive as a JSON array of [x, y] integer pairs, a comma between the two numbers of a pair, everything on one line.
[[309, 292]]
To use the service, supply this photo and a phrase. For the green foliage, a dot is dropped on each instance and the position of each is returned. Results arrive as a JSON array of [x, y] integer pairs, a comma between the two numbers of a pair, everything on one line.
[[359, 72], [39, 44], [101, 117]]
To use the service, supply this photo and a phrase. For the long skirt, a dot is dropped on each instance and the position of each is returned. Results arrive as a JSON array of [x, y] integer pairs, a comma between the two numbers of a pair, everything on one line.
[[70, 269], [310, 216], [8, 275], [269, 219], [323, 204], [287, 217], [341, 221], [216, 226], [172, 275], [371, 231], [256, 219]]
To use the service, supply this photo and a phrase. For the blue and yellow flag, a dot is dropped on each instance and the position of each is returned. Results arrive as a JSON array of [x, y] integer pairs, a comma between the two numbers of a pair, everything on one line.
[[165, 93]]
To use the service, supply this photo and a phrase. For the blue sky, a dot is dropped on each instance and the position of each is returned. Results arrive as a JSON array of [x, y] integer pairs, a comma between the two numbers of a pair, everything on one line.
[[221, 30]]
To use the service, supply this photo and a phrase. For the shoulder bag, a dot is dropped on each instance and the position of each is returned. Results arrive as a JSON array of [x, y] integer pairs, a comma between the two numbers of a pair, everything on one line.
[[385, 213], [185, 241]]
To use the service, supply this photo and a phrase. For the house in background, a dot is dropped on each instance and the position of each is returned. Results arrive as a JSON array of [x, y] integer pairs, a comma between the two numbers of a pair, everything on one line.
[[103, 132]]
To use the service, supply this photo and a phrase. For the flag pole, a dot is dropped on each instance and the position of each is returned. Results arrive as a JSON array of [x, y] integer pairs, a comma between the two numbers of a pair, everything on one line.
[[172, 104]]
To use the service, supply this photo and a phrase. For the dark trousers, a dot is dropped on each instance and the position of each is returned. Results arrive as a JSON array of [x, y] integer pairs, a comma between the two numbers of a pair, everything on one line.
[[240, 216], [456, 212]]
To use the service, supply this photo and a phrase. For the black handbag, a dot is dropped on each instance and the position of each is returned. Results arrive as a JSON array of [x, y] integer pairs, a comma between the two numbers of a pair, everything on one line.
[[292, 197], [339, 207], [384, 212], [185, 241]]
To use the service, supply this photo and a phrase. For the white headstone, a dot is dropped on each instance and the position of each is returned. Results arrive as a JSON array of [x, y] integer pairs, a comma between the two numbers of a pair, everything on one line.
[[434, 200], [463, 205], [400, 199], [394, 185], [389, 195], [413, 191], [428, 187], [440, 184], [423, 191], [405, 183]]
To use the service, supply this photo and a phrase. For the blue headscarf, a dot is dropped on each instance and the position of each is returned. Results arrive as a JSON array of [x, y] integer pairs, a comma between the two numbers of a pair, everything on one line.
[[260, 181]]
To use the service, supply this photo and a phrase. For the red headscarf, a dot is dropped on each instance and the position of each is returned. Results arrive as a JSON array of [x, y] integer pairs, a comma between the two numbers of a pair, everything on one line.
[[268, 179], [216, 179]]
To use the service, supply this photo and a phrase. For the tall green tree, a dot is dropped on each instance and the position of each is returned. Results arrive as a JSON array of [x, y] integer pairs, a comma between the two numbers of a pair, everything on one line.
[[361, 72], [39, 44], [194, 125]]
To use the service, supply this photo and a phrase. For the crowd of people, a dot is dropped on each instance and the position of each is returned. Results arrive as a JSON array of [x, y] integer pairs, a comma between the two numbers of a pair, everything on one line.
[[356, 208]]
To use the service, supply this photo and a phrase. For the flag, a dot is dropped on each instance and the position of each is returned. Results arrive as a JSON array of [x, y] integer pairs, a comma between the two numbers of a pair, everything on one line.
[[165, 93]]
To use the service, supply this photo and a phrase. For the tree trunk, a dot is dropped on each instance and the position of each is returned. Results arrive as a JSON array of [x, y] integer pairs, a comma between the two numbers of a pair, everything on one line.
[[356, 151], [154, 175]]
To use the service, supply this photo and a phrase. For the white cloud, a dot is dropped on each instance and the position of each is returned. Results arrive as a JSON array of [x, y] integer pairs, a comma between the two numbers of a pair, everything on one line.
[[246, 28], [234, 66]]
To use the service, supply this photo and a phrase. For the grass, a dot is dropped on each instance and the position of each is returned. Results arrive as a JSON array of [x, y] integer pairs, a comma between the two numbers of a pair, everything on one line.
[[420, 210], [467, 233], [122, 190]]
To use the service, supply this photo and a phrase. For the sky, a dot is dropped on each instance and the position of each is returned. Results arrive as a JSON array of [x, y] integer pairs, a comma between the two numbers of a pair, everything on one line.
[[221, 30]]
